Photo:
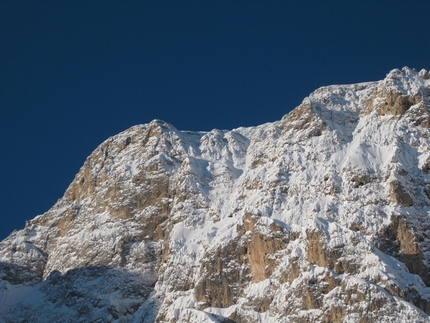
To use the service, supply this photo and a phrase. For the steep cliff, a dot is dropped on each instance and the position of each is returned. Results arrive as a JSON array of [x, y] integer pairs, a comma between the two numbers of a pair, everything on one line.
[[323, 216]]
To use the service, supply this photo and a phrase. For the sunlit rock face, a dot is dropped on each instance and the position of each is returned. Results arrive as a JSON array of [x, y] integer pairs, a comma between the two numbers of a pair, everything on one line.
[[323, 216]]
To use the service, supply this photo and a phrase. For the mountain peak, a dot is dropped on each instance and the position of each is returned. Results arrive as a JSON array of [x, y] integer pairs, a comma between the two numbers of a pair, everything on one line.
[[322, 216]]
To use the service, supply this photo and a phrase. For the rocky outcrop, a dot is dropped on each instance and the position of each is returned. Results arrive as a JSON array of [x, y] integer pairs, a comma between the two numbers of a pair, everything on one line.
[[397, 93], [251, 258], [303, 118], [224, 275], [399, 195], [399, 240]]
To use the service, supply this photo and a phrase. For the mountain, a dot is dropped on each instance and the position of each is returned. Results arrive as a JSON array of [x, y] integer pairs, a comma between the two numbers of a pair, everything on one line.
[[323, 216]]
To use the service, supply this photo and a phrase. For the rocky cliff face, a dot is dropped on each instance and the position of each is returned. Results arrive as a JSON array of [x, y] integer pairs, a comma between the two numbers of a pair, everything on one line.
[[323, 216]]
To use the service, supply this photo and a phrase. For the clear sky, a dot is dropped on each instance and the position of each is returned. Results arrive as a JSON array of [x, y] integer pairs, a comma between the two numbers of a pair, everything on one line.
[[73, 73]]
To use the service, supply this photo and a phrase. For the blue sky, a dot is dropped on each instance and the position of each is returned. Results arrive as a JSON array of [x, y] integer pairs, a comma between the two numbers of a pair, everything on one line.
[[74, 73]]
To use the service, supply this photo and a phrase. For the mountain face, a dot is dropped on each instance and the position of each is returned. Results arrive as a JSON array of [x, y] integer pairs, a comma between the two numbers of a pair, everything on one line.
[[323, 216]]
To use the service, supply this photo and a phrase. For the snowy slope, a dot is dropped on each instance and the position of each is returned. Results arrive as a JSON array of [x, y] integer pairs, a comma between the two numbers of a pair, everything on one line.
[[322, 216]]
